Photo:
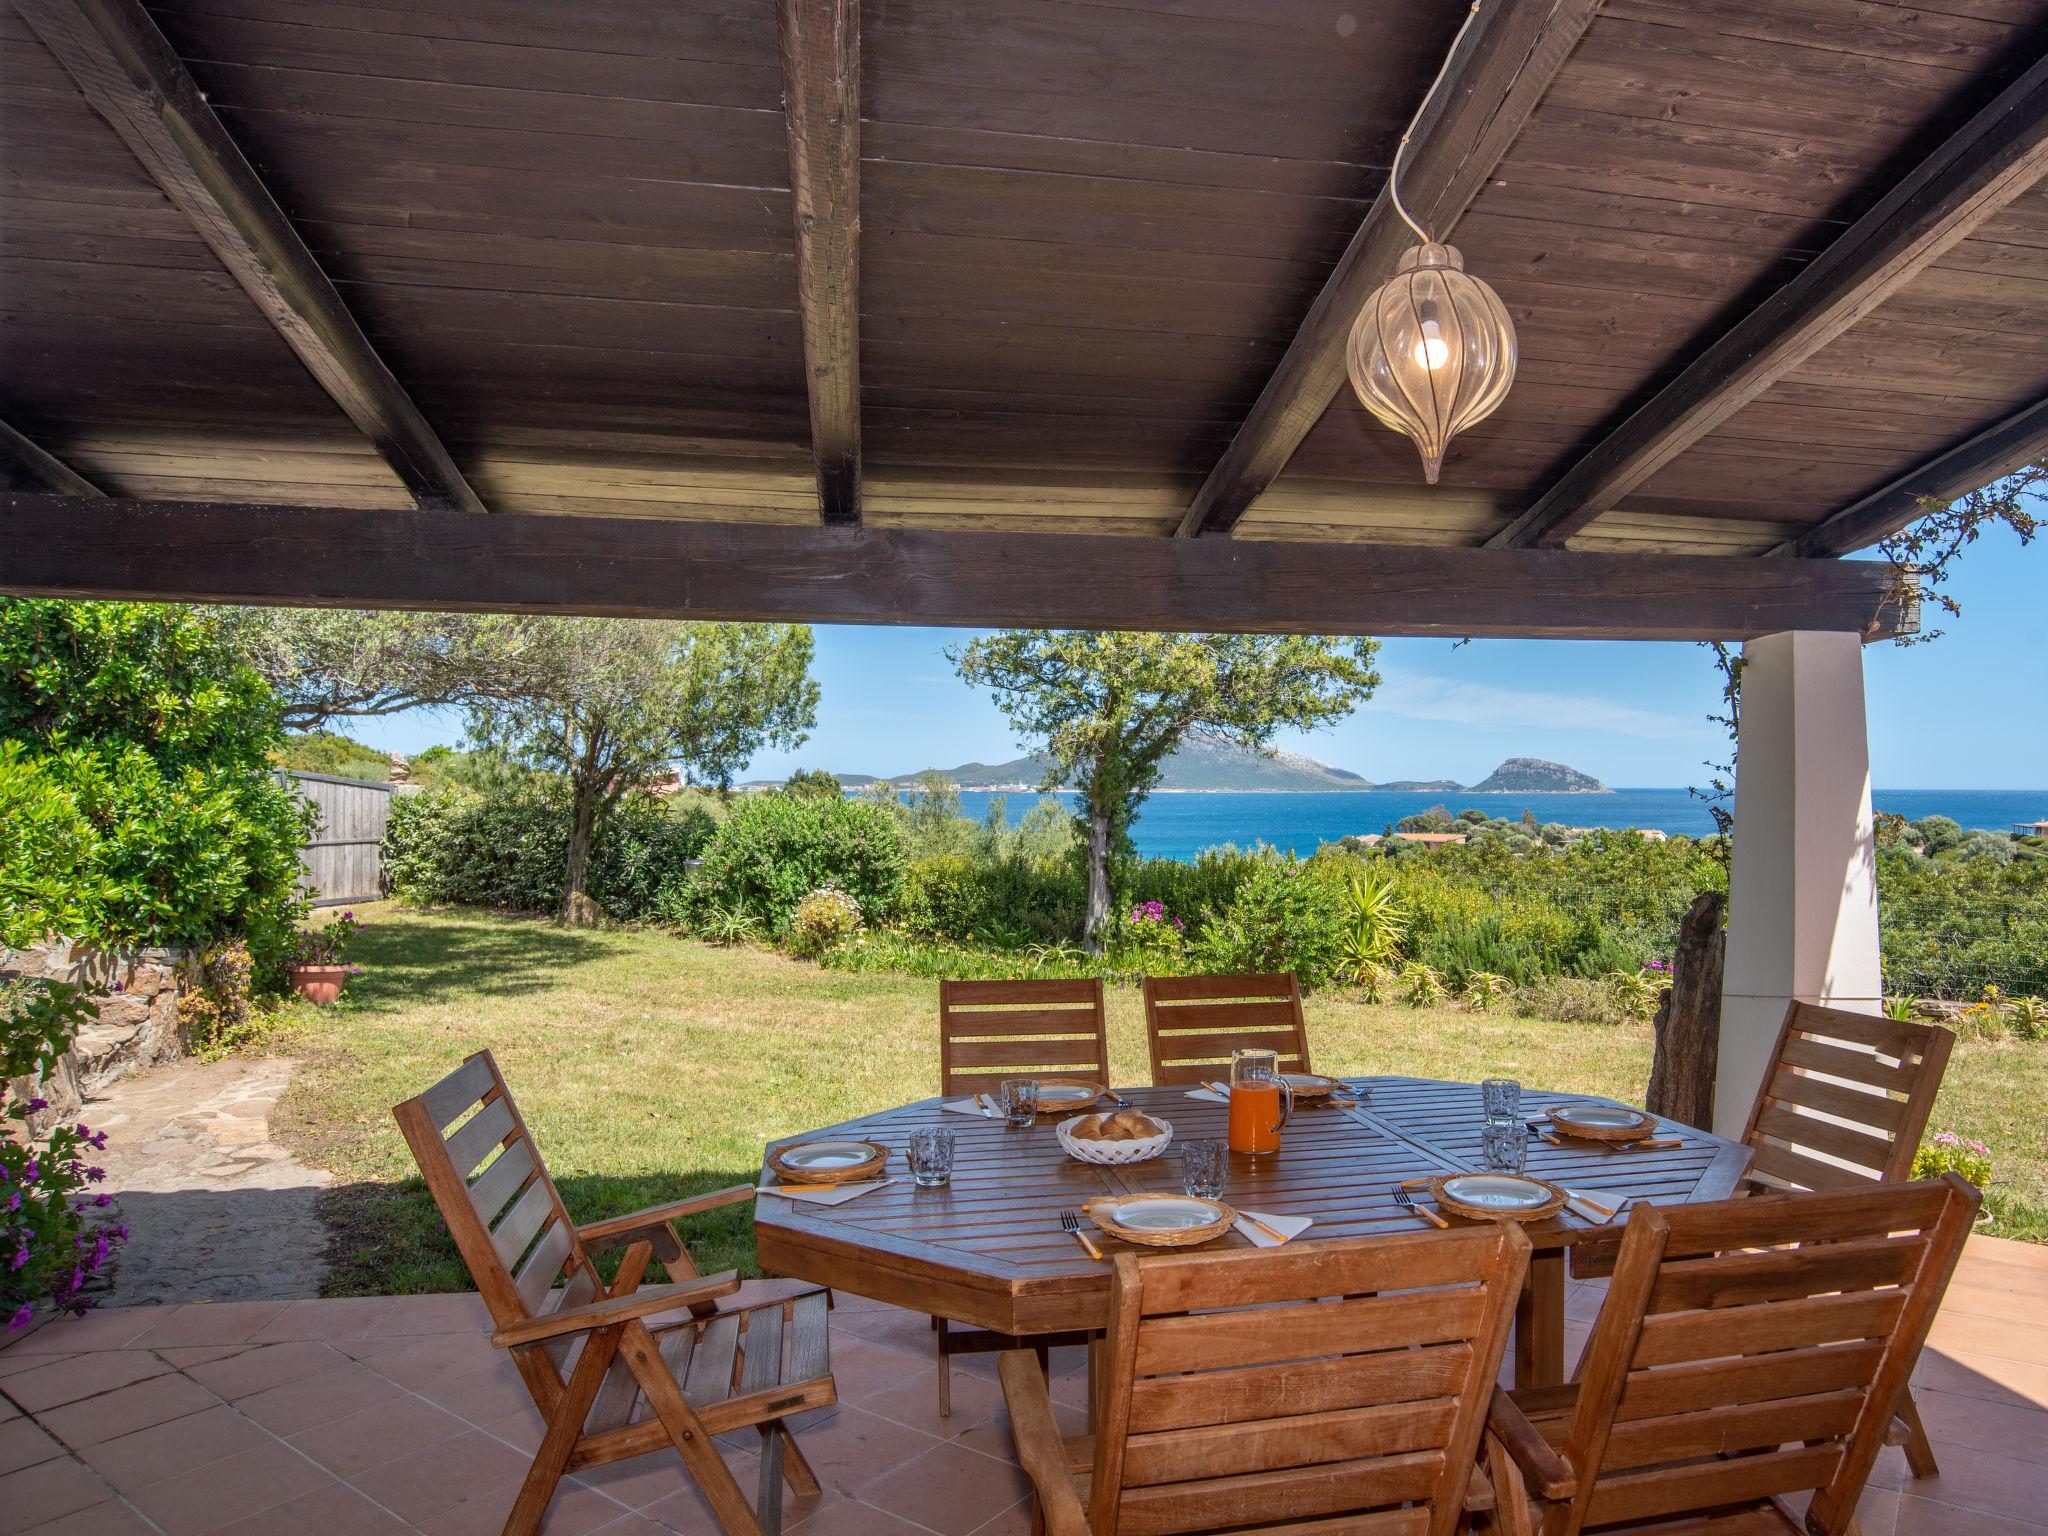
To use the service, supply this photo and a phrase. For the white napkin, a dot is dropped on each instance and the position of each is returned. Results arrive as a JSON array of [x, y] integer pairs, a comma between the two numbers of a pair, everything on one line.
[[1209, 1096], [970, 1107], [1289, 1227], [1593, 1205], [839, 1194]]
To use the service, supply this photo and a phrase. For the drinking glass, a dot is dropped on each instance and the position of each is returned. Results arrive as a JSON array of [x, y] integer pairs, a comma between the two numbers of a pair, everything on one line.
[[1505, 1146], [1020, 1100], [1203, 1168], [1502, 1098], [931, 1157]]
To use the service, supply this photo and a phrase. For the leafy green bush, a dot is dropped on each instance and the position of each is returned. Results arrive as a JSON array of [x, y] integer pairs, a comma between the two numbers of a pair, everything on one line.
[[1947, 1152], [776, 848], [507, 849], [1287, 916], [824, 919], [999, 900], [1952, 926]]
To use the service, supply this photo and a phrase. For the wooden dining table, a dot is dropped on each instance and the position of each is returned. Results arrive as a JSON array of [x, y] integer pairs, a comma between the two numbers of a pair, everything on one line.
[[988, 1249]]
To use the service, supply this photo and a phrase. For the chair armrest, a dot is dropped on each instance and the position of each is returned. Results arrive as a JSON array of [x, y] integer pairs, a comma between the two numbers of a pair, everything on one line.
[[615, 1230], [1552, 1477], [619, 1309], [1040, 1449]]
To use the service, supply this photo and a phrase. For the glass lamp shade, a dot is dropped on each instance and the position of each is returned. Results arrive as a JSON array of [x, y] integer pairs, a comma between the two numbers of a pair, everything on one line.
[[1433, 351]]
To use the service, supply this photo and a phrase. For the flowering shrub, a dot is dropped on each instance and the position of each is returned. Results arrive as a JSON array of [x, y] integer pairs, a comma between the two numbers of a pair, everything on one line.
[[219, 1015], [823, 920], [1946, 1152], [328, 945], [1154, 931]]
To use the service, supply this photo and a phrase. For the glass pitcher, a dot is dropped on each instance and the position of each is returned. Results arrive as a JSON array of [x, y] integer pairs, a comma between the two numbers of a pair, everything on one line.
[[1261, 1102]]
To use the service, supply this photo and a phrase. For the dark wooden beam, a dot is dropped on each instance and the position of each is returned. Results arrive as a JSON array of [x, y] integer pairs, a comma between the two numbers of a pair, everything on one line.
[[137, 82], [2019, 440], [1494, 80], [676, 569], [1980, 168], [24, 466], [821, 102]]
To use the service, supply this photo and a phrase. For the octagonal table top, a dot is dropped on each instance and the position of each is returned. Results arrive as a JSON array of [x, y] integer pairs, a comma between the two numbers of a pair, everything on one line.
[[988, 1249]]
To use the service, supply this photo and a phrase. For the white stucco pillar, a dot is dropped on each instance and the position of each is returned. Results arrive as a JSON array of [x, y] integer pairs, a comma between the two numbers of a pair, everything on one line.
[[1802, 898]]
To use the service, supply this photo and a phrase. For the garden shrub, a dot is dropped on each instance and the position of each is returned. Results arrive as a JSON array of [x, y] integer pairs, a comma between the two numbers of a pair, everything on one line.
[[1947, 1152], [219, 1015], [1952, 926], [776, 848], [507, 848], [1286, 916], [1009, 899], [824, 919]]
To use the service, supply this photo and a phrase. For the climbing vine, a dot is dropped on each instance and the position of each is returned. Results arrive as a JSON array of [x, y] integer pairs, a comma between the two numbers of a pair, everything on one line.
[[1922, 553]]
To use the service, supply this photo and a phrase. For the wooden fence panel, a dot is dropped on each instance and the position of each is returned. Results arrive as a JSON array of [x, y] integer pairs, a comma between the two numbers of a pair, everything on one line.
[[344, 861]]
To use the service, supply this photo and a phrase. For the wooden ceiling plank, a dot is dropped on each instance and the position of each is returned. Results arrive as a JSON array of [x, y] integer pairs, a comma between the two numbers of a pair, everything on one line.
[[27, 466], [1978, 170], [1493, 83], [137, 82], [821, 100], [2019, 440], [327, 556]]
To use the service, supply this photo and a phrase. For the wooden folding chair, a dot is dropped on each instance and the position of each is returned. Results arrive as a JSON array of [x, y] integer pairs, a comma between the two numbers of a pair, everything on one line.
[[1317, 1388], [1747, 1350], [1193, 1023], [990, 1030], [609, 1372]]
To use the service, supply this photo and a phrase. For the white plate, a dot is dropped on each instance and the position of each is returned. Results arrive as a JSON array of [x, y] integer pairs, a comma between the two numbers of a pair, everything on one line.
[[1300, 1080], [1599, 1117], [827, 1154], [1062, 1094], [1164, 1215], [1496, 1191]]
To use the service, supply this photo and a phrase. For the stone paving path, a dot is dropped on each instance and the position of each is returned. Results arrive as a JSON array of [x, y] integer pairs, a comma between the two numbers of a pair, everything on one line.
[[216, 1210]]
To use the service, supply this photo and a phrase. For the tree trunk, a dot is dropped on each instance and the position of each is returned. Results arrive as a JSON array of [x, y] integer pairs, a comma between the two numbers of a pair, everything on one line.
[[578, 910], [1689, 1019], [1098, 879]]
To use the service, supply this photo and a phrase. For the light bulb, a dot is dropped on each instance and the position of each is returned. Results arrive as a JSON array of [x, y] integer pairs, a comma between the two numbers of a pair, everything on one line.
[[1432, 351]]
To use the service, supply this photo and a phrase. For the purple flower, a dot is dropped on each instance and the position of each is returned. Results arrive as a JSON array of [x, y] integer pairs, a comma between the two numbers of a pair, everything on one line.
[[36, 1104], [118, 987], [1947, 1139], [22, 1318]]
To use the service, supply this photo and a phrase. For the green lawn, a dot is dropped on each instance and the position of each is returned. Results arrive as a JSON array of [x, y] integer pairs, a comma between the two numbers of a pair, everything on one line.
[[650, 1067]]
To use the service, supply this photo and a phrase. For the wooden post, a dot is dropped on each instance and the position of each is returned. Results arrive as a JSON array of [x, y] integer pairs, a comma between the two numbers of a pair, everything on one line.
[[1689, 1019]]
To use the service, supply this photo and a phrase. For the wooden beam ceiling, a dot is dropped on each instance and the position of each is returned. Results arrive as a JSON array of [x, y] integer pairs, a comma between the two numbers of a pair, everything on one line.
[[821, 100], [1984, 165], [1493, 81], [136, 82], [2021, 439], [654, 568], [24, 466]]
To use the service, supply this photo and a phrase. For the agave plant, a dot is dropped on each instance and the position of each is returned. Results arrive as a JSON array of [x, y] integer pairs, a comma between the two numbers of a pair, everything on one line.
[[1376, 920], [1375, 982], [1904, 1009], [2027, 1017], [1422, 985], [1634, 993], [726, 926], [1483, 989]]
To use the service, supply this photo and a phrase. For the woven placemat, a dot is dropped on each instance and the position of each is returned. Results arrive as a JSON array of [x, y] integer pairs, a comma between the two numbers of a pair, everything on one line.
[[853, 1173], [1183, 1237], [1457, 1207]]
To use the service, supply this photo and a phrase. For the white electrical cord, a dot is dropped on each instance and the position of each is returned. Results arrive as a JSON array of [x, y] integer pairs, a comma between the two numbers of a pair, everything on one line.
[[1394, 173]]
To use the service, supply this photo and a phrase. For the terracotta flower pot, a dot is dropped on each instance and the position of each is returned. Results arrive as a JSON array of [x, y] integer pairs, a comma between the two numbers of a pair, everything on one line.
[[320, 984]]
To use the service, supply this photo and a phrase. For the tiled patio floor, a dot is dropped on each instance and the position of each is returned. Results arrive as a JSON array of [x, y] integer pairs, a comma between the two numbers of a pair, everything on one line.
[[360, 1417]]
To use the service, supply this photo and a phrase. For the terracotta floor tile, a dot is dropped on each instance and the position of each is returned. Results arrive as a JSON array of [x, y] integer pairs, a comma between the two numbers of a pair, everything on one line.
[[521, 1429], [434, 1360], [218, 1322], [101, 1328], [372, 1436], [127, 1409], [408, 1315], [1925, 1517], [185, 1356], [994, 1438], [23, 1444], [635, 1525], [335, 1510], [15, 1361], [482, 1396], [915, 1402], [208, 1498], [848, 1517], [646, 1480], [330, 1318], [2003, 1338], [68, 1380], [110, 1519], [949, 1488], [429, 1482], [575, 1511], [331, 1395], [910, 1332], [862, 1367], [854, 1447], [134, 1461], [42, 1492], [2006, 1429], [1986, 1376], [1978, 1481], [1016, 1520], [258, 1368]]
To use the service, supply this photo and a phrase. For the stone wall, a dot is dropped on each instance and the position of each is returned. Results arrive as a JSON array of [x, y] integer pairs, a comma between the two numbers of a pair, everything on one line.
[[138, 1023]]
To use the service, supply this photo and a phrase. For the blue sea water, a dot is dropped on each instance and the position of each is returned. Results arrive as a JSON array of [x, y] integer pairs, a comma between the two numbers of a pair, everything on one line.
[[1178, 826]]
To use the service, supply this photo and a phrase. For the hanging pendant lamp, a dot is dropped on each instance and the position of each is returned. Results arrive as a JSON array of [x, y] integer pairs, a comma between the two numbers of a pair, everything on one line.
[[1433, 351]]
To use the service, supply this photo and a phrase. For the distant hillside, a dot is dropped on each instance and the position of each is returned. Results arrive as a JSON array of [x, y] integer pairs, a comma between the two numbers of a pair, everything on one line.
[[1534, 776]]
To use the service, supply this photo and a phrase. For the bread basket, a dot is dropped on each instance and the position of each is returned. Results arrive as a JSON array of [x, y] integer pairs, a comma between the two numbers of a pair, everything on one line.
[[1113, 1154]]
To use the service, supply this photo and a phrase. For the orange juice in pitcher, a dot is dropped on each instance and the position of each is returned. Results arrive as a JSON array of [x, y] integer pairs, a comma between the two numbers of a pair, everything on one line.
[[1261, 1102]]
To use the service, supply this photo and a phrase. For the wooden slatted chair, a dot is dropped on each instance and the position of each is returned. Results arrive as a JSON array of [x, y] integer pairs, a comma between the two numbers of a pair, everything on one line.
[[990, 1030], [1339, 1386], [623, 1369], [1193, 1023], [1747, 1350]]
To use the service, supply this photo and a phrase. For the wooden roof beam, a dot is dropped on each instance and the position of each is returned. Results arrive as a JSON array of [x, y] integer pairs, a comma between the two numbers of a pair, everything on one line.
[[1492, 83], [821, 101], [2012, 444], [1983, 166], [26, 466], [137, 82], [680, 568]]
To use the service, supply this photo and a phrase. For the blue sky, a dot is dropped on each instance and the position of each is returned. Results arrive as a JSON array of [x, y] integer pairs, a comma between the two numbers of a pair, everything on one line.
[[1962, 713]]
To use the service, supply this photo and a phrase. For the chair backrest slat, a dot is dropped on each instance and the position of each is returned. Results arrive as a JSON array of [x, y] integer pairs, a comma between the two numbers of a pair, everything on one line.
[[989, 1030], [1757, 1348], [1846, 1099], [497, 1184], [1193, 1023], [1344, 1383]]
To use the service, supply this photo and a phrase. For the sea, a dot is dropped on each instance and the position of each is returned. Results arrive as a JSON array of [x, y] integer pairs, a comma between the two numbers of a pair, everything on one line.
[[1180, 824]]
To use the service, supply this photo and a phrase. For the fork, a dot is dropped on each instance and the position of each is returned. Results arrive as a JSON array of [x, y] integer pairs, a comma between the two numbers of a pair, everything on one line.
[[1071, 1220], [1407, 1203]]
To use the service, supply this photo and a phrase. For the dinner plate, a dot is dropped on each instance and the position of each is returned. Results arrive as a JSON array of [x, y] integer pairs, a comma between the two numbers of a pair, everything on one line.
[[1598, 1117], [1062, 1095], [1308, 1082], [1173, 1215], [1496, 1191], [827, 1154]]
